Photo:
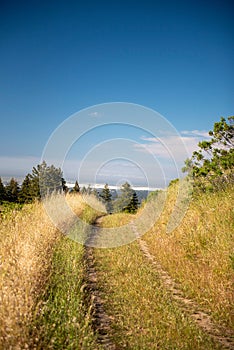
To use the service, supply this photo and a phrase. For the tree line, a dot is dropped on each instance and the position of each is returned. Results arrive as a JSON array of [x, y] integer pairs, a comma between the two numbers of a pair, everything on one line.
[[45, 180], [126, 201]]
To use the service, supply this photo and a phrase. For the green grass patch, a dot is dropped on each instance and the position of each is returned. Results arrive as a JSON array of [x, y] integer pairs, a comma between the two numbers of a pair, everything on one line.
[[6, 208], [62, 318]]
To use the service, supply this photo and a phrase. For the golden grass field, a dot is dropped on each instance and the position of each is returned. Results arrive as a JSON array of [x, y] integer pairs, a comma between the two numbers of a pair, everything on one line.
[[199, 253], [43, 301]]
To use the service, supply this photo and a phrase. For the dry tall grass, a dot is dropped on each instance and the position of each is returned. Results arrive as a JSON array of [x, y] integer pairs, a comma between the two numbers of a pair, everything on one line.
[[200, 252], [143, 313], [27, 239]]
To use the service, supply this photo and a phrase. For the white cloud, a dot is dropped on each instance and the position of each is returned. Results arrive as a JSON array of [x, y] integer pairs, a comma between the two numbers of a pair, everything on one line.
[[178, 147], [200, 133], [94, 114]]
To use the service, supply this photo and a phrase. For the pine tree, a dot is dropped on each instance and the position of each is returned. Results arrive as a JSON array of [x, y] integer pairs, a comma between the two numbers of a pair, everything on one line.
[[2, 192], [42, 181], [46, 180], [26, 192], [106, 194], [133, 204], [106, 197], [50, 179], [124, 199], [12, 191], [76, 188], [64, 186]]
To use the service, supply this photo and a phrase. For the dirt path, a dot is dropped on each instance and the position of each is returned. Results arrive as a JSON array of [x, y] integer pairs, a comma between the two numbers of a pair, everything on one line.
[[101, 321], [221, 335]]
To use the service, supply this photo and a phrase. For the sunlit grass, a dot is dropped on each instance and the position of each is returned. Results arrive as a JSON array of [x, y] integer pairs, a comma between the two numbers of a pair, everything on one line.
[[199, 252], [42, 293], [143, 313], [27, 241], [29, 247], [117, 219], [62, 320]]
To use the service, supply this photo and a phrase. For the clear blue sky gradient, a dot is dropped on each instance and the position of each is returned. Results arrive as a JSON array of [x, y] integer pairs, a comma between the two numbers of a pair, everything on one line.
[[58, 57]]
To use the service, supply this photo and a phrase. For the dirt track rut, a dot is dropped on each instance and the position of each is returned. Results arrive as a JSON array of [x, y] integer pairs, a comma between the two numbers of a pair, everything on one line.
[[101, 321]]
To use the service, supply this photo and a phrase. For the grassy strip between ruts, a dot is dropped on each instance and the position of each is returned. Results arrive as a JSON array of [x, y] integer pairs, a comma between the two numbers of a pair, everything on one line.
[[144, 315], [62, 319]]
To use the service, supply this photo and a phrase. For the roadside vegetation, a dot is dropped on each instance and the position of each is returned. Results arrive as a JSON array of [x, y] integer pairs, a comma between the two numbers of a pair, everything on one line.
[[199, 253], [61, 318], [143, 313], [27, 241], [35, 256]]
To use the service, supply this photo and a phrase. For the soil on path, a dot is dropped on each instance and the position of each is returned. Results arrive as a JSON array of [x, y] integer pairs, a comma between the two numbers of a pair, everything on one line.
[[101, 321]]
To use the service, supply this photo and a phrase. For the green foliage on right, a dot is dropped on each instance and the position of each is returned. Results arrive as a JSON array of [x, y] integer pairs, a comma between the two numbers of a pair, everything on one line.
[[212, 165]]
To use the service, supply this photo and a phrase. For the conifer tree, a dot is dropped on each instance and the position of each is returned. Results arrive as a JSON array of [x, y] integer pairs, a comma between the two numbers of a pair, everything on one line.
[[26, 192], [42, 181], [76, 188], [133, 204], [106, 194], [12, 191], [46, 180], [106, 197], [123, 201], [64, 186]]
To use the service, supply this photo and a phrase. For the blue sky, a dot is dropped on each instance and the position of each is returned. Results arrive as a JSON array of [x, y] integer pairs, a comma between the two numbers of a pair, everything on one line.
[[59, 57]]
